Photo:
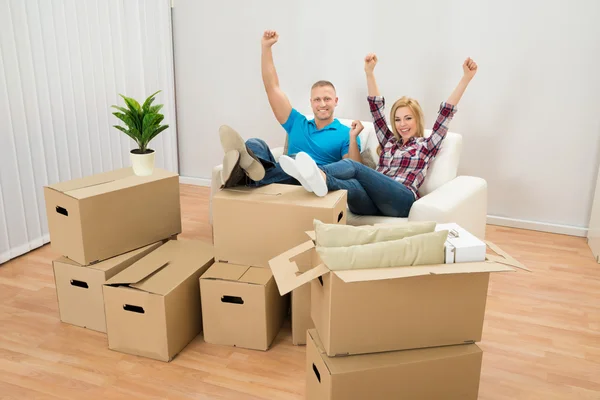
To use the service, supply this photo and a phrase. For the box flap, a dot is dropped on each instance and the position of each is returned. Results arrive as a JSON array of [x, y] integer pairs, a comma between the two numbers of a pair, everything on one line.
[[286, 272], [141, 269], [364, 362], [312, 235], [278, 193], [377, 274], [185, 258], [165, 268], [119, 181], [113, 262], [96, 179], [225, 271], [503, 257], [257, 276]]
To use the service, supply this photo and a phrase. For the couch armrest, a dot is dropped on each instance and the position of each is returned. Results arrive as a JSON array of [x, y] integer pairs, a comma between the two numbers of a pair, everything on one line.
[[215, 181], [463, 200]]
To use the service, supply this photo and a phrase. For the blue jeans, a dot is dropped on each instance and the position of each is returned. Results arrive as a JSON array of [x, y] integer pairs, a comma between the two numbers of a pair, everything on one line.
[[369, 192], [273, 171]]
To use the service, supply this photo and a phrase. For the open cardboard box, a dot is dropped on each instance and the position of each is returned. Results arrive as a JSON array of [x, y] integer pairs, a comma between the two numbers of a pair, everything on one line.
[[386, 309], [153, 307]]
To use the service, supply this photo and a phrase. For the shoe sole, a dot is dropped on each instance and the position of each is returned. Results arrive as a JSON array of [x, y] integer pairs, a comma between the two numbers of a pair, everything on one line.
[[231, 140], [311, 173], [288, 166]]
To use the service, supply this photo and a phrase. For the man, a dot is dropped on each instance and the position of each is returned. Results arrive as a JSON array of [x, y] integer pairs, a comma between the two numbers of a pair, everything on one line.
[[324, 138]]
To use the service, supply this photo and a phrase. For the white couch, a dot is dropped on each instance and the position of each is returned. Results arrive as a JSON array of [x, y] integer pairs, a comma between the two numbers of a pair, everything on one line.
[[445, 197]]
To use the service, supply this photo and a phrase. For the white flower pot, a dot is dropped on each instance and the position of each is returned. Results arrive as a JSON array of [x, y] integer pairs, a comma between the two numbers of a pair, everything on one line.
[[143, 164]]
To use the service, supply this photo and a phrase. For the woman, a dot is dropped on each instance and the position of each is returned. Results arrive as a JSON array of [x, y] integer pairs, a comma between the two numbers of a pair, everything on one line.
[[405, 154]]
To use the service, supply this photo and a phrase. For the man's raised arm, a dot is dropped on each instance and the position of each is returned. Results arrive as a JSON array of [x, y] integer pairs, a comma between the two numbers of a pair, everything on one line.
[[279, 102]]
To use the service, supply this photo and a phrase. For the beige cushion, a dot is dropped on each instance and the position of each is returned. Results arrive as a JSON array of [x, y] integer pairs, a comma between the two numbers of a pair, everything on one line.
[[334, 235], [423, 249]]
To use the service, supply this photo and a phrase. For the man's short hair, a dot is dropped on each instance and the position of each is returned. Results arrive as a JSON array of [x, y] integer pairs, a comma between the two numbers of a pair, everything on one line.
[[321, 84]]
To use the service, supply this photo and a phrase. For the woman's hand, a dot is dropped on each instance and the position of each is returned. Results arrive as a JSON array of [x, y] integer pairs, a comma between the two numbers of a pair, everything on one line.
[[357, 128], [370, 62], [469, 68]]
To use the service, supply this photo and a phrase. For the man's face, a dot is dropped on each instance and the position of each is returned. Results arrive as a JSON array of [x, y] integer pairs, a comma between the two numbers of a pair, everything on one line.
[[323, 101]]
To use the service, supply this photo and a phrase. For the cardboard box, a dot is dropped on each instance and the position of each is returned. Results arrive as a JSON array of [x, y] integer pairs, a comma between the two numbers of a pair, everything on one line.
[[241, 306], [462, 246], [449, 373], [98, 217], [79, 288], [153, 307], [387, 309], [253, 225]]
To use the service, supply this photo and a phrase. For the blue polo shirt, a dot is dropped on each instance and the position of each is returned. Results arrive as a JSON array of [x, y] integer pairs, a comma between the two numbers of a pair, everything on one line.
[[325, 146]]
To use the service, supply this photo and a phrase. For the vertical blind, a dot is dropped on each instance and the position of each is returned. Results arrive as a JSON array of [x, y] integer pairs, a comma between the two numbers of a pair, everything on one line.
[[63, 63]]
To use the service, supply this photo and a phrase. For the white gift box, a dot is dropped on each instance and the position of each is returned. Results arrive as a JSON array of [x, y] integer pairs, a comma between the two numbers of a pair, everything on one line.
[[461, 245]]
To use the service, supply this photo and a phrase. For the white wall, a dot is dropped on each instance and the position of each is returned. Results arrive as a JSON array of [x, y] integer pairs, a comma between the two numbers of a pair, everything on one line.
[[530, 118], [62, 65]]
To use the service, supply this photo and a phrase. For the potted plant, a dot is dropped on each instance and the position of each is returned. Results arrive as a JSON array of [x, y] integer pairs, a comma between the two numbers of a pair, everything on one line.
[[142, 124]]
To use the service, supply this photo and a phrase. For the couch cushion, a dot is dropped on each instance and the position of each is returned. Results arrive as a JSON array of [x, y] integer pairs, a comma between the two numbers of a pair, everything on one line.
[[335, 235], [423, 249], [445, 165]]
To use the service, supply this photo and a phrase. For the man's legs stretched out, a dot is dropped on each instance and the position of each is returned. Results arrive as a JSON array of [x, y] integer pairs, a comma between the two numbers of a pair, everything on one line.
[[249, 163]]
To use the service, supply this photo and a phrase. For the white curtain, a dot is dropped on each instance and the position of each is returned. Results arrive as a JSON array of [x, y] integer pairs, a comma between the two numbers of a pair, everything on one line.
[[62, 65]]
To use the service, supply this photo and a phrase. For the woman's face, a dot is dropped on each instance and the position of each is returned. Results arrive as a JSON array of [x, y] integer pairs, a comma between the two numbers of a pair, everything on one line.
[[406, 123]]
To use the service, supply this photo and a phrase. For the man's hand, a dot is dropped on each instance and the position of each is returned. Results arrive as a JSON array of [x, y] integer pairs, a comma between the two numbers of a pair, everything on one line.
[[370, 62], [469, 68], [357, 128], [269, 38]]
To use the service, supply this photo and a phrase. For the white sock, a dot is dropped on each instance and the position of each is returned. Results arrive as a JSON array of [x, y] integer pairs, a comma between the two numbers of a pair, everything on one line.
[[311, 173], [288, 164]]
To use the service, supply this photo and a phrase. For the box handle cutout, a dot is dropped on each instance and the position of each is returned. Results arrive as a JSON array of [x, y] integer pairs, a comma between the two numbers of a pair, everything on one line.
[[81, 284], [317, 372], [321, 281], [62, 211], [135, 309], [340, 216], [232, 299]]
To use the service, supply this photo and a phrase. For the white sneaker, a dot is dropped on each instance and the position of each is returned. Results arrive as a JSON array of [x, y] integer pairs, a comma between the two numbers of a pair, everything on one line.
[[288, 164], [308, 169]]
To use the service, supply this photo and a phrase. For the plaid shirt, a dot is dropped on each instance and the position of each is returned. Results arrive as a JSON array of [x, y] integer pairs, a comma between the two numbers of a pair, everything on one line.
[[407, 163]]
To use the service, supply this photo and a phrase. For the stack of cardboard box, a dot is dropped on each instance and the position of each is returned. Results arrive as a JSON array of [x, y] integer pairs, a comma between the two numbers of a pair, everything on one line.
[[122, 271], [241, 305], [406, 332]]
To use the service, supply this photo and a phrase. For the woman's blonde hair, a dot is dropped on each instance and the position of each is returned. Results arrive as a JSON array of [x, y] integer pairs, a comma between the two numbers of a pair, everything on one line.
[[417, 112]]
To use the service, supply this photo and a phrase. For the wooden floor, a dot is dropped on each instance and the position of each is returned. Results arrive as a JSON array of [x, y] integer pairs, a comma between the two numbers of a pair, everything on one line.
[[541, 338]]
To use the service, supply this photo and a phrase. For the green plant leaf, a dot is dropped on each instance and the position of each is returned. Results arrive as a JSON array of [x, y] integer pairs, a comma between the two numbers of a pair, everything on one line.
[[156, 132], [132, 125], [149, 101], [155, 109], [127, 133], [151, 123], [135, 110]]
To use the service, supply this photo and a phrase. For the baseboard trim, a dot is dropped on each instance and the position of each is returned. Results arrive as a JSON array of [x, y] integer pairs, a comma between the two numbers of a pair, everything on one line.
[[187, 180], [537, 226]]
